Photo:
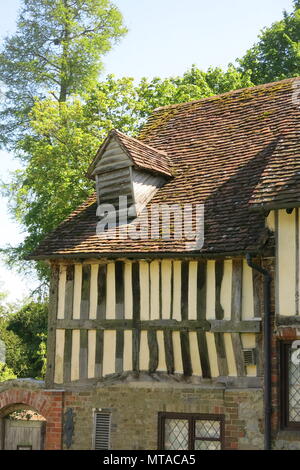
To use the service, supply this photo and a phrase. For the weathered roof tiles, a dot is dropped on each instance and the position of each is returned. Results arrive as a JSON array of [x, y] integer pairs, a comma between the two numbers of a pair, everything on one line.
[[231, 152]]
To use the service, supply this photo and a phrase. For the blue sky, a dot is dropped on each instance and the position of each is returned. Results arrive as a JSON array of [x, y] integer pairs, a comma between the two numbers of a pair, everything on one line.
[[165, 38]]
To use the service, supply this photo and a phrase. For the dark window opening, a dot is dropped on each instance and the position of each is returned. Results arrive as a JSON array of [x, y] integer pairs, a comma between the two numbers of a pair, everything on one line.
[[181, 431], [290, 385]]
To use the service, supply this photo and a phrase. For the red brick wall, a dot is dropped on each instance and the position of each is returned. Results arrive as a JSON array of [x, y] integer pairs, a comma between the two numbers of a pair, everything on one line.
[[48, 403]]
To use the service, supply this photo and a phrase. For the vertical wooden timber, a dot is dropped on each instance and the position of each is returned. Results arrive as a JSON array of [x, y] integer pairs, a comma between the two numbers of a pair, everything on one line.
[[83, 355], [135, 350], [136, 290], [236, 312], [237, 275], [85, 292], [184, 289], [201, 315], [99, 353], [128, 299], [169, 351], [201, 290], [212, 354], [226, 301], [69, 292], [203, 352], [119, 351], [67, 356], [219, 337], [101, 302], [136, 316], [53, 301], [153, 351], [91, 353], [219, 273], [120, 290], [192, 290], [186, 355], [144, 290], [211, 315]]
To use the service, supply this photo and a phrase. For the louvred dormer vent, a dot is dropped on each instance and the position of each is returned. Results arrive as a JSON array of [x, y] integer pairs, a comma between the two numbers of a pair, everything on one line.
[[125, 166]]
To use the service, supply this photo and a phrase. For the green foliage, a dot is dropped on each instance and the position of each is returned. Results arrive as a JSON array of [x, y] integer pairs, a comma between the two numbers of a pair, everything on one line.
[[24, 332], [64, 138], [15, 349], [6, 373], [30, 324], [193, 85], [57, 49], [276, 55]]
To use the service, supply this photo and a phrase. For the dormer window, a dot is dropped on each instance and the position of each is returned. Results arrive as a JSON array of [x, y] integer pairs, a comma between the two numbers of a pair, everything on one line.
[[125, 169]]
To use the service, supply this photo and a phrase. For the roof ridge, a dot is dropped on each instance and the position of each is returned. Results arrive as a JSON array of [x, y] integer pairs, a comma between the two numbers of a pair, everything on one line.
[[116, 131], [231, 92]]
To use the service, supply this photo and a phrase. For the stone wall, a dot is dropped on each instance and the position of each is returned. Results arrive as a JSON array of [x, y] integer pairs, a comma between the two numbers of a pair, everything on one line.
[[135, 408]]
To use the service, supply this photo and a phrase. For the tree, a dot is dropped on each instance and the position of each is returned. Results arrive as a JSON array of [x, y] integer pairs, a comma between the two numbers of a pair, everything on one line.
[[57, 49], [276, 55], [193, 85], [23, 331], [29, 324], [14, 348], [6, 373], [64, 138]]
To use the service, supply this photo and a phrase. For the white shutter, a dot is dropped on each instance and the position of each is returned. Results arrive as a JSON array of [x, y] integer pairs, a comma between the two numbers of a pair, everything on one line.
[[102, 431]]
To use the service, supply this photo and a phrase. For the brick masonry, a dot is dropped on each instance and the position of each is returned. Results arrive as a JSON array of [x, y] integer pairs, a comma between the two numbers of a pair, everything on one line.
[[135, 413], [31, 394], [134, 407]]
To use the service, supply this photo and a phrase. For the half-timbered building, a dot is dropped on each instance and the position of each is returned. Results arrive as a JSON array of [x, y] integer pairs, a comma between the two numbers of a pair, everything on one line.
[[154, 343]]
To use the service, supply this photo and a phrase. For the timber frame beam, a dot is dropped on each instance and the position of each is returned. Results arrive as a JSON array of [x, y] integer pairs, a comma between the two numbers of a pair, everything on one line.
[[220, 326]]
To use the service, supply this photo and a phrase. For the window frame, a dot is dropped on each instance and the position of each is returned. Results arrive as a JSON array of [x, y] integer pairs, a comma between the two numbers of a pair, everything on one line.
[[285, 423], [191, 418]]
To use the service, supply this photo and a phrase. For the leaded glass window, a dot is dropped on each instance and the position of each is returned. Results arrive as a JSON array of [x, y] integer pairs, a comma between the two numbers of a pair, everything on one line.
[[290, 385], [181, 431]]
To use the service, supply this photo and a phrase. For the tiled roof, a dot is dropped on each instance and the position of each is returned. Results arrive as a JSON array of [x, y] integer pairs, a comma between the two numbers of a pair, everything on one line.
[[230, 152], [279, 185], [142, 155]]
